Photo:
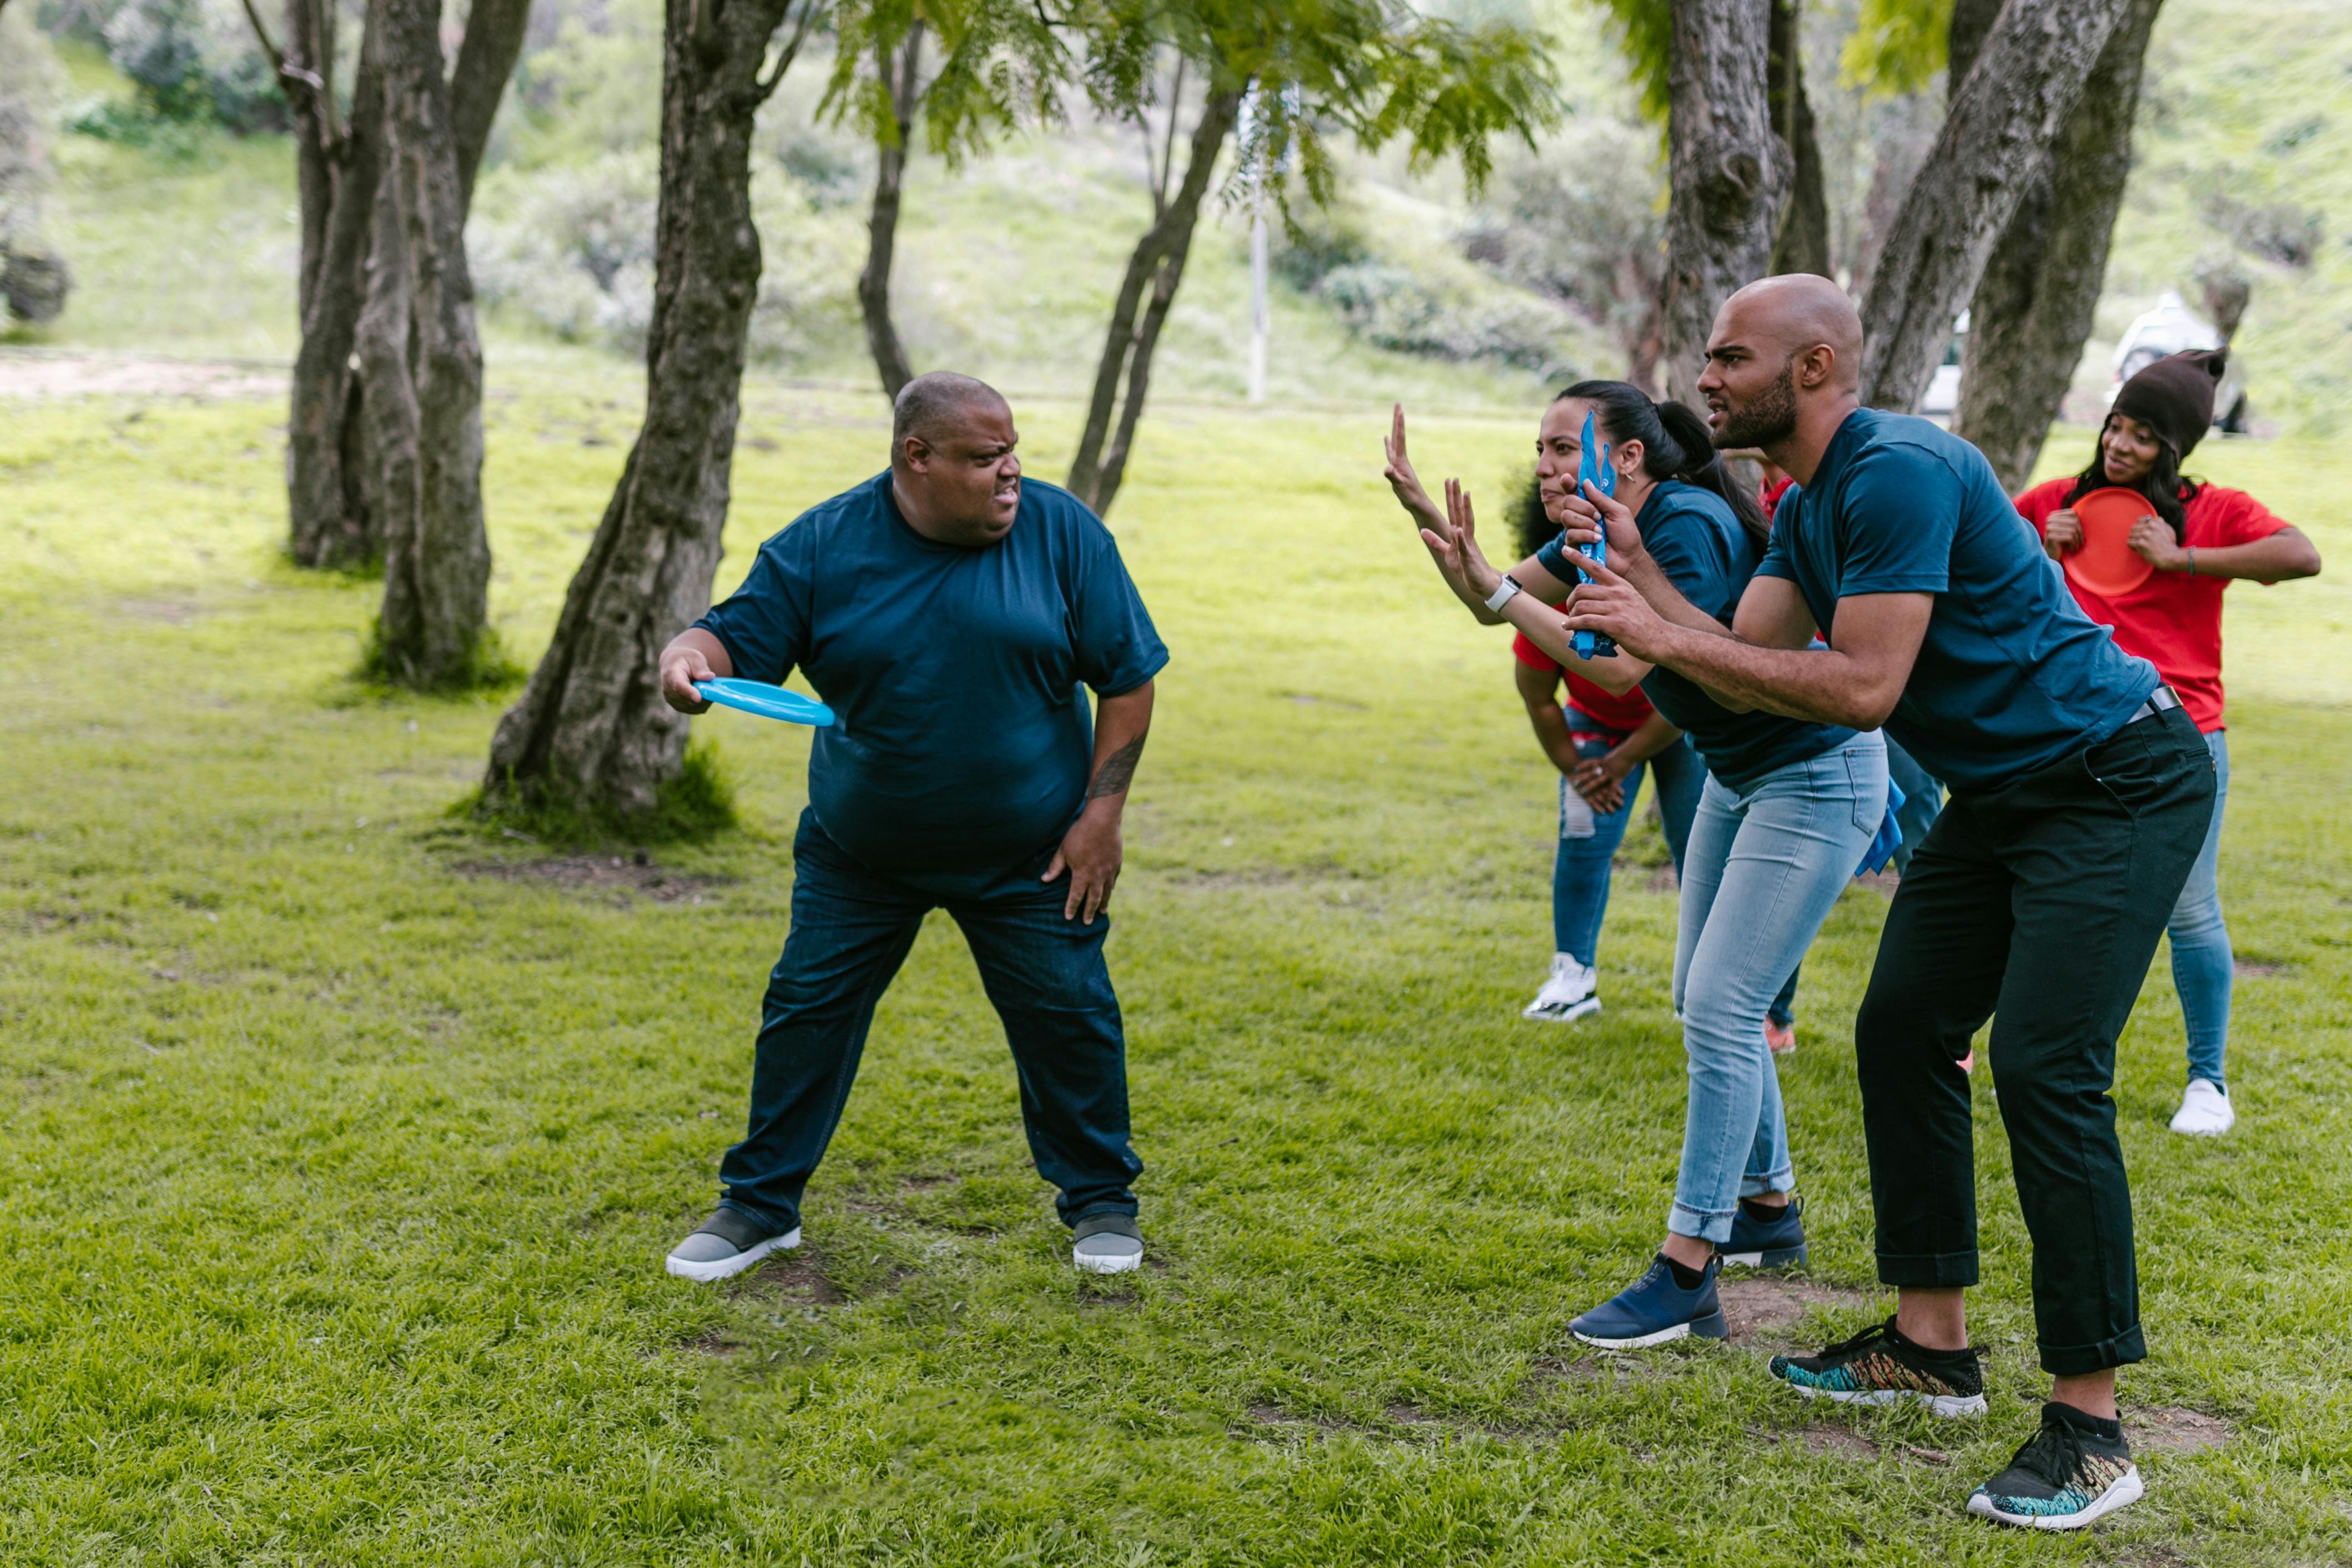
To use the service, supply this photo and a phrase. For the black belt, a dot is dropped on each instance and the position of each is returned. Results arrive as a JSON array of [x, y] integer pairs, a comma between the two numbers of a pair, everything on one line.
[[2158, 701]]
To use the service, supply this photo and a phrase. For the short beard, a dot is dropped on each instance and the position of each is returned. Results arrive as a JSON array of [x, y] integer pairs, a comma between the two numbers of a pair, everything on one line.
[[1769, 418]]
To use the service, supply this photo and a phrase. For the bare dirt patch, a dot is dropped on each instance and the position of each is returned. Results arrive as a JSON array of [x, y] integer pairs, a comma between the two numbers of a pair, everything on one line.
[[1765, 1308], [626, 876], [2258, 970], [62, 373], [796, 1278], [2169, 1429]]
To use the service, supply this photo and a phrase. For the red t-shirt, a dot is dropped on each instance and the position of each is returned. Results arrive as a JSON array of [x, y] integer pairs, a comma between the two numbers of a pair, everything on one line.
[[1625, 713], [1768, 497], [2173, 620]]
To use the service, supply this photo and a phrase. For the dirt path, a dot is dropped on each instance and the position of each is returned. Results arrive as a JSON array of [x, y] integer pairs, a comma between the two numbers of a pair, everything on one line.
[[70, 372]]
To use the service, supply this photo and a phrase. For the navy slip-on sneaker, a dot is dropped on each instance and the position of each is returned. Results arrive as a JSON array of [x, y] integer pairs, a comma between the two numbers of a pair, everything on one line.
[[1654, 1310], [1755, 1244]]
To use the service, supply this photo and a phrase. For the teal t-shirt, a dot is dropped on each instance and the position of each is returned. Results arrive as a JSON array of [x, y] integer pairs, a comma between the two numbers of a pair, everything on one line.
[[963, 742], [1696, 541], [2011, 676]]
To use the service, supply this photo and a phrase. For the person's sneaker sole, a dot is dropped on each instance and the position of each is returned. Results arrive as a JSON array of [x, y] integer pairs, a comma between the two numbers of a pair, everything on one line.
[[1568, 1014], [1105, 1263], [2125, 1491], [720, 1267], [1935, 1404], [1769, 1258], [1712, 1326]]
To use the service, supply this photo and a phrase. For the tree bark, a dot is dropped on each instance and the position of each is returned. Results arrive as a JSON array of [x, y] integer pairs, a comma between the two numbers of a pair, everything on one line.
[[327, 516], [1158, 263], [486, 59], [882, 225], [423, 362], [1803, 244], [1964, 38], [1728, 171], [592, 733], [2034, 307], [1995, 136]]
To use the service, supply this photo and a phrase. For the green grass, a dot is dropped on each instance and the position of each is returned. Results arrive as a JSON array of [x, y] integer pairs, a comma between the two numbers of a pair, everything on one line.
[[334, 1174]]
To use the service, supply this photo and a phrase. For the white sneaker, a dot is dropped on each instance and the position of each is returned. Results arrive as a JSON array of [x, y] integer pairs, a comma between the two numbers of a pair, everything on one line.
[[1567, 996], [2205, 1111]]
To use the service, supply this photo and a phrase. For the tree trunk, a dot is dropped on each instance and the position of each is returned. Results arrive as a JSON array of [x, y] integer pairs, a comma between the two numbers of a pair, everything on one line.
[[418, 328], [882, 228], [592, 735], [1128, 348], [1995, 136], [2034, 307], [1728, 171], [310, 53], [1803, 244], [1964, 38]]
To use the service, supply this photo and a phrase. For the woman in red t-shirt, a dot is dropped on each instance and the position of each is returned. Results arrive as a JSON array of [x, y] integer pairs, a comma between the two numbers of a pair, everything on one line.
[[1600, 742], [2202, 538]]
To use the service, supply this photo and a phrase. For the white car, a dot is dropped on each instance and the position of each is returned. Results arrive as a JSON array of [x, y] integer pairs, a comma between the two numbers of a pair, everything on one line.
[[1943, 393], [2171, 329]]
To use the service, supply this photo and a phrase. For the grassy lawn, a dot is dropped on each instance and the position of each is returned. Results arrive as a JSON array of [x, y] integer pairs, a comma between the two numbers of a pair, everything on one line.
[[340, 1144]]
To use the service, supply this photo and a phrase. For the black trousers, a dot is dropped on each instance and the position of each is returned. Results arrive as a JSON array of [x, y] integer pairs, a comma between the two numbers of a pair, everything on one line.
[[2037, 904]]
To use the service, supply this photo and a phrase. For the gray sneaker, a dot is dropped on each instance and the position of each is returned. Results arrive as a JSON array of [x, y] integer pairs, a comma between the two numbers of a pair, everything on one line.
[[1106, 1244], [729, 1242]]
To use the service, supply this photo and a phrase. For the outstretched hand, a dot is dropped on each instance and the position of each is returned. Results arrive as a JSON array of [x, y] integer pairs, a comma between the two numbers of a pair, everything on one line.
[[1402, 479], [1605, 603], [1452, 534]]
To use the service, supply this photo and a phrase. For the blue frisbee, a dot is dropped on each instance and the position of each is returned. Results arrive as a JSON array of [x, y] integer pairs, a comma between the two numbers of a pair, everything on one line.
[[767, 701]]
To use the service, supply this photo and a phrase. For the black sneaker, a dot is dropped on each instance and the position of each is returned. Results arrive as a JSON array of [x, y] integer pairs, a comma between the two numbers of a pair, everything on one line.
[[1879, 1367], [2077, 1467]]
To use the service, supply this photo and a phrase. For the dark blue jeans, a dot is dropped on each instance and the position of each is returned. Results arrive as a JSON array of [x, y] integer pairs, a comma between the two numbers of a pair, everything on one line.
[[851, 929]]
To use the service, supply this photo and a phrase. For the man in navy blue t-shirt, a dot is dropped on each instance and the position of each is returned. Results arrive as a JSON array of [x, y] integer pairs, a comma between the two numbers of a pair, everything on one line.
[[953, 616], [2080, 796]]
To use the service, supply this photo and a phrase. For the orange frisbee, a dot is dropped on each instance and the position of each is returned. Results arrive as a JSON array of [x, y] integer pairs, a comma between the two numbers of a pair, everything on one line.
[[2105, 563]]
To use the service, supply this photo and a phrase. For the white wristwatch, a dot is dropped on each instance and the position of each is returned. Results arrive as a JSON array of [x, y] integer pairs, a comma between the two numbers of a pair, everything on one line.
[[1505, 591]]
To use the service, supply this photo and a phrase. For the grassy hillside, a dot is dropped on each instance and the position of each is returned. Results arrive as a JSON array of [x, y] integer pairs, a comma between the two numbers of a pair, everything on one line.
[[2246, 127]]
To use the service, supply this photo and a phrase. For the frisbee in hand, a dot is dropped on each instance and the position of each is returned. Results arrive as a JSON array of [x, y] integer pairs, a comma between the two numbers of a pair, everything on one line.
[[2107, 564], [767, 701]]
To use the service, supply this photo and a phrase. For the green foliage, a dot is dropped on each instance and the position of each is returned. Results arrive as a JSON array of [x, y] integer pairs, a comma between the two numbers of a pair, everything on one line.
[[990, 64], [341, 1141], [1369, 70], [1896, 45], [1645, 34]]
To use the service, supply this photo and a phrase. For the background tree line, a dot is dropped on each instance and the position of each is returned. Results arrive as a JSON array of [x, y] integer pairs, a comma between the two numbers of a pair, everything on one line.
[[1981, 120]]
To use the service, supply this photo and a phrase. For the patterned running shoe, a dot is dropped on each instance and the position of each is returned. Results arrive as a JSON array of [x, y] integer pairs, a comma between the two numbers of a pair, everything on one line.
[[2075, 1468], [1879, 1367]]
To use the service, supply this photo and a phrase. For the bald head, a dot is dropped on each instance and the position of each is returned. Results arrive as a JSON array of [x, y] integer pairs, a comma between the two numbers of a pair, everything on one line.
[[1782, 366], [930, 406], [1793, 314], [952, 466]]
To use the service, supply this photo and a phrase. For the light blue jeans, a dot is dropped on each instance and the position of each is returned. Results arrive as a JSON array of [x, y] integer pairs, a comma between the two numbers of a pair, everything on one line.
[[1761, 874], [2202, 962]]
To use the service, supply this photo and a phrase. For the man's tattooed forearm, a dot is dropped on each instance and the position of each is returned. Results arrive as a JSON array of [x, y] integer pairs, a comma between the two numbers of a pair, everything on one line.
[[1117, 770]]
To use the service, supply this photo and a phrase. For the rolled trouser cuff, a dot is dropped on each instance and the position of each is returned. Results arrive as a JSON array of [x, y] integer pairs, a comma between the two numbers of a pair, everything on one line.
[[1701, 1225], [1928, 1270], [2081, 1360]]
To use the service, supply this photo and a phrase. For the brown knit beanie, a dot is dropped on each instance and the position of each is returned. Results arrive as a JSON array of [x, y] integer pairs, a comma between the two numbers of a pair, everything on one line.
[[2174, 397]]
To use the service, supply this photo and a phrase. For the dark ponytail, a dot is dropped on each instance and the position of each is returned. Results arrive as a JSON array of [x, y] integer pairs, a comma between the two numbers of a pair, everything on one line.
[[1676, 444]]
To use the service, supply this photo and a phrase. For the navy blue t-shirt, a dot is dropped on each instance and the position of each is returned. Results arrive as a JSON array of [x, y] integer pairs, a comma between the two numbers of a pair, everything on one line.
[[963, 742], [1696, 541], [2012, 676]]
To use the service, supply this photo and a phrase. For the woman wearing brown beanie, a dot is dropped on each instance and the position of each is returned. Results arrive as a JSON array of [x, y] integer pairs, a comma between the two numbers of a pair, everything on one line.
[[2201, 538]]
